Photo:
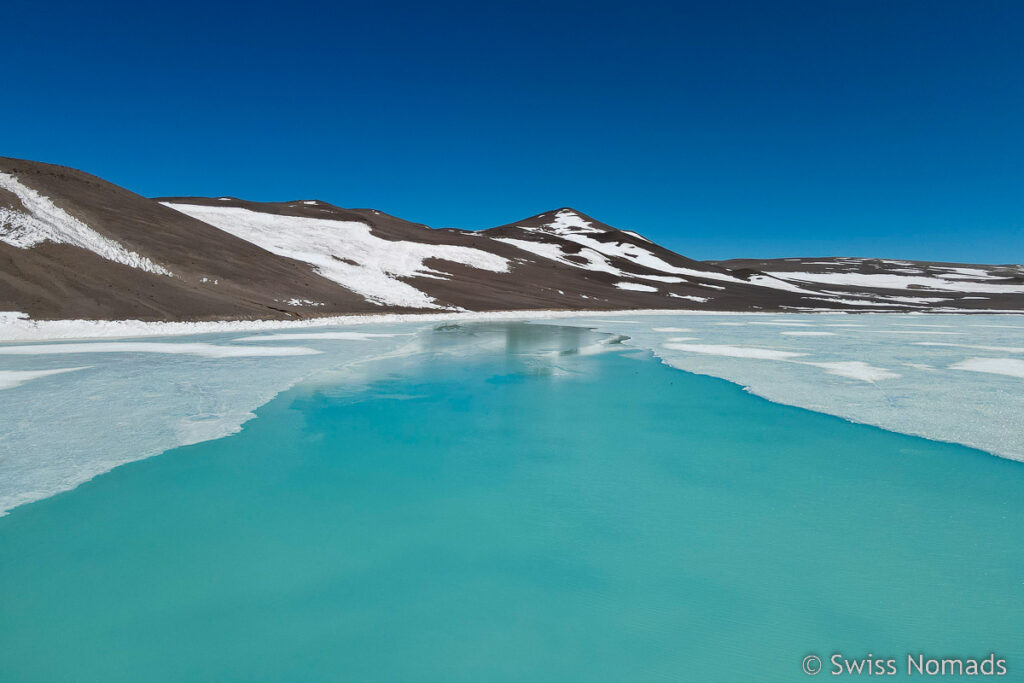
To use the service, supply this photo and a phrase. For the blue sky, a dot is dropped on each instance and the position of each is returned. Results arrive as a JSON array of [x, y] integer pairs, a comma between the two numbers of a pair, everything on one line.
[[721, 129]]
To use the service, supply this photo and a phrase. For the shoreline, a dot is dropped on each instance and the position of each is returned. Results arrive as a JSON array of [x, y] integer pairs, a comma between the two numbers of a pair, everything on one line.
[[16, 327]]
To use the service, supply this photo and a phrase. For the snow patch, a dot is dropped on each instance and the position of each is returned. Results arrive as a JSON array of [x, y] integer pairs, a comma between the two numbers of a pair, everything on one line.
[[890, 281], [637, 235], [568, 222], [46, 222], [636, 287], [346, 252], [659, 278], [572, 227], [553, 252]]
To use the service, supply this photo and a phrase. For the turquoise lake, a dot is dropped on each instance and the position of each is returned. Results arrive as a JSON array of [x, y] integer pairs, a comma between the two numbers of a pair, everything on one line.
[[503, 507]]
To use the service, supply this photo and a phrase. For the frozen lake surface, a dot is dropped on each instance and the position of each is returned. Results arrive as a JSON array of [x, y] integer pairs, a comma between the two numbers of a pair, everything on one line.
[[76, 409], [491, 502], [951, 378]]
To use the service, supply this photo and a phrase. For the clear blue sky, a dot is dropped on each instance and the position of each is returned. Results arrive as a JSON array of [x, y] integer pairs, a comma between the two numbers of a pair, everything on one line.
[[720, 128]]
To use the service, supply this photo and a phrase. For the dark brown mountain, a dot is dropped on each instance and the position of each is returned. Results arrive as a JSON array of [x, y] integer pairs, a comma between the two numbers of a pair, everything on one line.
[[75, 246]]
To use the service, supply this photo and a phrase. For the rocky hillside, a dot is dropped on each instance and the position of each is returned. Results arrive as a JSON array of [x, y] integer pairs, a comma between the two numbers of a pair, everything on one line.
[[75, 246]]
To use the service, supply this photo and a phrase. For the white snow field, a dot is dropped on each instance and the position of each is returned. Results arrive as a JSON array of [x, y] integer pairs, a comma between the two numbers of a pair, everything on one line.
[[346, 252], [43, 221], [75, 409]]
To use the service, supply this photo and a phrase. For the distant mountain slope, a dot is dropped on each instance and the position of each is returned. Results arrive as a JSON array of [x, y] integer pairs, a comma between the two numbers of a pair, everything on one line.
[[395, 263], [888, 283], [629, 261], [75, 246]]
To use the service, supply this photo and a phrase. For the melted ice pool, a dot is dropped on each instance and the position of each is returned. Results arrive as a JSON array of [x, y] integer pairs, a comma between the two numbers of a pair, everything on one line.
[[498, 502]]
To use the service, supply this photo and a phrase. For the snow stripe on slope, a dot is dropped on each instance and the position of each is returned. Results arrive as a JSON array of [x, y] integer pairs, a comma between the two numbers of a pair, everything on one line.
[[46, 222], [570, 226], [346, 252], [890, 281]]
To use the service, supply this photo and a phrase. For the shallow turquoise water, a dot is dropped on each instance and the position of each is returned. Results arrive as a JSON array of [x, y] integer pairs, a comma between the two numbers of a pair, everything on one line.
[[509, 514]]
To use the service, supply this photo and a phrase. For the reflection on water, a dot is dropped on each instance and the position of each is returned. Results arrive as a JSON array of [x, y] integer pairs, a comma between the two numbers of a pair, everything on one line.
[[520, 348], [58, 432], [512, 338]]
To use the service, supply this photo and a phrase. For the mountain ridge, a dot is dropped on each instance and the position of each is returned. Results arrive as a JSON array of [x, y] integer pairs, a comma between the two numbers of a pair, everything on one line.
[[73, 245]]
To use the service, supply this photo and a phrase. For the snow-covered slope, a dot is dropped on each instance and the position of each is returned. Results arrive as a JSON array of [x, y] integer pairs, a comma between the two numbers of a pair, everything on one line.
[[78, 247], [576, 240], [944, 280], [347, 252], [896, 284], [73, 246], [38, 220]]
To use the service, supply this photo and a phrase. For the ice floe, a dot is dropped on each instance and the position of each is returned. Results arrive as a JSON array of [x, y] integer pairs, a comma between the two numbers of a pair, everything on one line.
[[1011, 367], [15, 378], [734, 351], [1003, 349], [298, 336], [855, 369], [943, 332]]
